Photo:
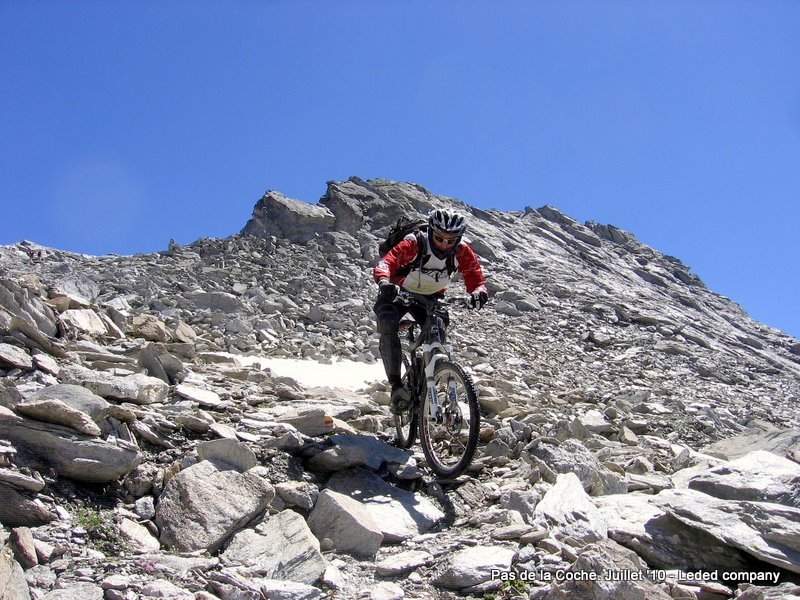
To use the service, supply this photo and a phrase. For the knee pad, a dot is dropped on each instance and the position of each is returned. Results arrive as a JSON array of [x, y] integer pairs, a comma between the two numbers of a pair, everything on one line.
[[388, 318]]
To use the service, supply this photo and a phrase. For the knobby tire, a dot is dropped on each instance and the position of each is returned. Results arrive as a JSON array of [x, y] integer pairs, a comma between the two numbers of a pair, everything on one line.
[[447, 454], [406, 423]]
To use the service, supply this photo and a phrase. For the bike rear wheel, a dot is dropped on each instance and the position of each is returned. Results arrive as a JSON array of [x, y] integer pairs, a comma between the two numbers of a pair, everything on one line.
[[406, 423], [449, 439]]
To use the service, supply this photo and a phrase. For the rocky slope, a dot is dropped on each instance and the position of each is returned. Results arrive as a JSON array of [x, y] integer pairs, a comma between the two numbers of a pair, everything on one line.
[[640, 431]]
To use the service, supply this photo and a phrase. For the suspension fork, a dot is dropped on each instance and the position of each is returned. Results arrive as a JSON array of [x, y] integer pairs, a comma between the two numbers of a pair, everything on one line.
[[430, 358]]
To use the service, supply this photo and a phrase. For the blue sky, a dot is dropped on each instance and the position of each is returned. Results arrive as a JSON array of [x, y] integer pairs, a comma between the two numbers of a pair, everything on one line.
[[125, 124]]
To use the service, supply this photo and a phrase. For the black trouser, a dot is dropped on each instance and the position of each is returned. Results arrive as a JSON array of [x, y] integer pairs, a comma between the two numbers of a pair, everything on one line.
[[389, 315]]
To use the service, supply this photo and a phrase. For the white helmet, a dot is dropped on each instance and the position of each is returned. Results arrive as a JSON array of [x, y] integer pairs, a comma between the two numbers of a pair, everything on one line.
[[447, 221]]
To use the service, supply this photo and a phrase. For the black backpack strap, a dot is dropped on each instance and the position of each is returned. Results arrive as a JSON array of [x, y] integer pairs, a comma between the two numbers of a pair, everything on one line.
[[450, 263], [420, 249], [418, 259]]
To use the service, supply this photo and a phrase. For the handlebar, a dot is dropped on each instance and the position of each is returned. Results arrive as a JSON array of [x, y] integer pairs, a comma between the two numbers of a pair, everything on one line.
[[408, 298]]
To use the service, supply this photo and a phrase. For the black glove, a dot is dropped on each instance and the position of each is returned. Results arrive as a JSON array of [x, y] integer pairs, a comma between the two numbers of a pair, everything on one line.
[[478, 299], [388, 290]]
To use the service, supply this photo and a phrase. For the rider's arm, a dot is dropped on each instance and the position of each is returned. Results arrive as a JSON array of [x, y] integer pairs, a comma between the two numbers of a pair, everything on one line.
[[403, 253], [470, 268]]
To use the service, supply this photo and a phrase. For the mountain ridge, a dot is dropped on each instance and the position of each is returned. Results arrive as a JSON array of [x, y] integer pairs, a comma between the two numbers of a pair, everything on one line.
[[623, 401]]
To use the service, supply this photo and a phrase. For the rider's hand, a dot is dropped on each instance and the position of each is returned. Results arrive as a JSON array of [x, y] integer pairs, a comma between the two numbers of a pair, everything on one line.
[[479, 298], [388, 290]]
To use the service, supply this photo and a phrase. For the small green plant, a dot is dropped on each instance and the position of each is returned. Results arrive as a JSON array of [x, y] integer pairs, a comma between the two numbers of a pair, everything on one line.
[[503, 591], [101, 530]]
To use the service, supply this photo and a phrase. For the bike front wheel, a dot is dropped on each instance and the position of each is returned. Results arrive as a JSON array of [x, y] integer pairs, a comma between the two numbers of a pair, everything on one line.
[[406, 422], [449, 438]]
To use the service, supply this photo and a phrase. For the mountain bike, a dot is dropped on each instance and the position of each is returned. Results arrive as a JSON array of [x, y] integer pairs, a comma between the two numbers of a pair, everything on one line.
[[444, 405]]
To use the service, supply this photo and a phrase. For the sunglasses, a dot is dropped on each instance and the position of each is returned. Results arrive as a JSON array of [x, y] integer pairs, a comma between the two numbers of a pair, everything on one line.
[[444, 240]]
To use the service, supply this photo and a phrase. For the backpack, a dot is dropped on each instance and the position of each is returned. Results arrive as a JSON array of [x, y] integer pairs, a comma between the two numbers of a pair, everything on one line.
[[401, 229]]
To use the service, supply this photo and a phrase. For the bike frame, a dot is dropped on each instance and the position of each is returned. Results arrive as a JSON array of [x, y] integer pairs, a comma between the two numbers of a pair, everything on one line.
[[433, 348]]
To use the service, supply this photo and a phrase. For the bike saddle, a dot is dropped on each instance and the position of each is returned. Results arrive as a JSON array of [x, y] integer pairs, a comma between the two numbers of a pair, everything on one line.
[[406, 323]]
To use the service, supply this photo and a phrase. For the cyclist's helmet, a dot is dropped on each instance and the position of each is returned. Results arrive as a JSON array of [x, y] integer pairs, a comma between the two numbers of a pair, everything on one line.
[[445, 221]]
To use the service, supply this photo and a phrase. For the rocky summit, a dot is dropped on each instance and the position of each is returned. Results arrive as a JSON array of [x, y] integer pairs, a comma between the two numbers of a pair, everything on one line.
[[186, 424]]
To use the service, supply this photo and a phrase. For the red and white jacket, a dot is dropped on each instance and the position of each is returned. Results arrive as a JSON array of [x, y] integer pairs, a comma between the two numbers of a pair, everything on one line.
[[431, 276]]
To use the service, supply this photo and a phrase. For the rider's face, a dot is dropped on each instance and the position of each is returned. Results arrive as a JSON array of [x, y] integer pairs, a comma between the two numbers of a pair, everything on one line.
[[443, 241]]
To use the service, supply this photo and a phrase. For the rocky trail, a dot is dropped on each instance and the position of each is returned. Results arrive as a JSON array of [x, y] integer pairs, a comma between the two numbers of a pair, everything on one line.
[[211, 421]]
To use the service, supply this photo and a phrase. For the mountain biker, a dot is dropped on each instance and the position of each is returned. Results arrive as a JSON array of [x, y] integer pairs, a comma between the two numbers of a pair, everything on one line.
[[443, 251]]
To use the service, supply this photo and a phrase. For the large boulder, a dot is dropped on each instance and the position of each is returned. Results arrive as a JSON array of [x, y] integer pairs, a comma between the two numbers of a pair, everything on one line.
[[568, 511], [203, 505], [663, 541], [603, 558], [77, 397], [573, 457], [18, 510], [282, 547], [71, 454], [137, 388], [83, 320], [348, 451], [400, 514], [12, 357], [347, 523], [12, 578], [760, 476], [282, 217], [473, 566], [768, 531]]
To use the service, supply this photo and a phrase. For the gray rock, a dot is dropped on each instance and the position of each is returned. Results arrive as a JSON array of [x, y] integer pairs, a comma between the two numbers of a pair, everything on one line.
[[759, 476], [523, 501], [138, 536], [77, 591], [137, 388], [149, 327], [275, 589], [27, 306], [72, 455], [149, 358], [216, 301], [568, 511], [347, 523], [83, 320], [356, 451], [196, 510], [18, 510], [387, 590], [12, 579], [472, 566], [277, 215], [30, 483], [299, 494], [777, 441], [573, 457], [163, 588], [399, 514], [11, 356], [78, 398], [309, 421], [403, 562], [770, 532], [58, 412], [282, 547], [205, 398], [663, 541], [230, 452], [604, 557]]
